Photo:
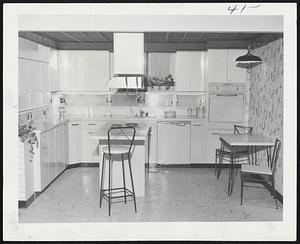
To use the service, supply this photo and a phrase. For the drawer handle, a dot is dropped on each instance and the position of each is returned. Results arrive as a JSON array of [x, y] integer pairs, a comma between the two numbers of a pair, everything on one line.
[[75, 124], [215, 133], [197, 125], [91, 124], [90, 133], [44, 148]]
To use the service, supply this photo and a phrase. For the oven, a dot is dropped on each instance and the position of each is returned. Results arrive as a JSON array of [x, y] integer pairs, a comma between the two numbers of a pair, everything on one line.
[[226, 103]]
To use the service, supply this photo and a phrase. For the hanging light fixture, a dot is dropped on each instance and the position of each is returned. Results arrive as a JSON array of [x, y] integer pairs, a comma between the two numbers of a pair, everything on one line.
[[248, 59]]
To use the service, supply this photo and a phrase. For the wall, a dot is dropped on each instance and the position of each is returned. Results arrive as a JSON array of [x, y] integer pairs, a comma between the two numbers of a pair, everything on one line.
[[266, 93]]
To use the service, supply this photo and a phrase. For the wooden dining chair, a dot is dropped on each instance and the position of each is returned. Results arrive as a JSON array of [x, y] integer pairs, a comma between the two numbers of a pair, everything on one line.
[[256, 174], [114, 152], [237, 155]]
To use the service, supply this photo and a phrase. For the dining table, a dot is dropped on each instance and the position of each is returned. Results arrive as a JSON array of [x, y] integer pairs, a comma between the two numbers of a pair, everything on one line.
[[253, 144]]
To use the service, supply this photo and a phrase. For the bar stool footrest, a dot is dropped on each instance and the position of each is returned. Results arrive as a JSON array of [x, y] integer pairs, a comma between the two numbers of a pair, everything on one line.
[[119, 190]]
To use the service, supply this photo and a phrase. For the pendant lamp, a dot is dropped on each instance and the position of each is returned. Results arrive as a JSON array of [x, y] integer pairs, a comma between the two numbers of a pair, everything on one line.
[[248, 59]]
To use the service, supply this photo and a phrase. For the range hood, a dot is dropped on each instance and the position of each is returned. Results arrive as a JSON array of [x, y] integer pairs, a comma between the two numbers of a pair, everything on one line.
[[126, 82], [128, 62]]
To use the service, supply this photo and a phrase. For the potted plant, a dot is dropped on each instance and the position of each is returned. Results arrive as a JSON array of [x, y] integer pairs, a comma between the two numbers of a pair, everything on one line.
[[27, 134], [170, 82], [148, 84]]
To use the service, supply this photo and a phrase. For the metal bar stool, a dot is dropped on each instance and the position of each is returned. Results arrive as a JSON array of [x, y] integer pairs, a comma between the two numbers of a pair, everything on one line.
[[119, 152]]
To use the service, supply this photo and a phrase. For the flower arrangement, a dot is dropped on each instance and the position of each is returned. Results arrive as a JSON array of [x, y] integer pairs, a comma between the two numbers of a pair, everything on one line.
[[167, 81], [27, 133]]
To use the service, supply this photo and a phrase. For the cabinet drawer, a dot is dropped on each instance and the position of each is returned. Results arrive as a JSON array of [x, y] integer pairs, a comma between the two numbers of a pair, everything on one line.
[[90, 125]]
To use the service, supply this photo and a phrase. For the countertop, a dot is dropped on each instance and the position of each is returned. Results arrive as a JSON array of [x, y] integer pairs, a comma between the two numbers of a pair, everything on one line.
[[130, 118], [101, 133], [45, 125]]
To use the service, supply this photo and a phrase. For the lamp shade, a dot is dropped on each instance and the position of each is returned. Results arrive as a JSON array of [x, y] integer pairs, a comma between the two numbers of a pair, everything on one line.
[[248, 58]]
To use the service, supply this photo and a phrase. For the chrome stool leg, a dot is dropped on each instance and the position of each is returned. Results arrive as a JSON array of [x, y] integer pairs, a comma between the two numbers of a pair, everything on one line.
[[129, 163]]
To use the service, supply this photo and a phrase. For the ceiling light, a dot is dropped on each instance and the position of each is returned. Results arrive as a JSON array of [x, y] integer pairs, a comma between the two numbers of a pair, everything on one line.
[[248, 58]]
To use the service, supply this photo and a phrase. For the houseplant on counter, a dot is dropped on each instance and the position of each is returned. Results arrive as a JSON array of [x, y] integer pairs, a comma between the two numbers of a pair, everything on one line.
[[170, 82], [27, 134]]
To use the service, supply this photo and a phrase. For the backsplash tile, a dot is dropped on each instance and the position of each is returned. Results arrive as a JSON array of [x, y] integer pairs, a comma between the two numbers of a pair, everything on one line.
[[266, 93]]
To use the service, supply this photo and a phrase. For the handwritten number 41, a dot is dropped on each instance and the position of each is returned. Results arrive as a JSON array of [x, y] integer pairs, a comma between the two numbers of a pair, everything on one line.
[[235, 8]]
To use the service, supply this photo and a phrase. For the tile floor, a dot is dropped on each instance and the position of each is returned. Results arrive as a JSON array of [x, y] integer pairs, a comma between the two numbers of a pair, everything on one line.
[[172, 194]]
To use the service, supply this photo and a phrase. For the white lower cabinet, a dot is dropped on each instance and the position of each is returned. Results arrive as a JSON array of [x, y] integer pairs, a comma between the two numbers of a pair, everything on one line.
[[197, 142], [90, 146], [213, 142], [75, 144], [53, 148], [44, 161]]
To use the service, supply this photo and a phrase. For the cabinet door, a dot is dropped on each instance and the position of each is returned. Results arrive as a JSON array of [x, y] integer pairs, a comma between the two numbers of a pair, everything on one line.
[[217, 65], [44, 157], [153, 143], [235, 74], [53, 73], [212, 143], [197, 142], [44, 53], [129, 53], [84, 70], [44, 77], [66, 145], [90, 147], [24, 76], [75, 139], [28, 49], [59, 150], [35, 77], [52, 155], [189, 71]]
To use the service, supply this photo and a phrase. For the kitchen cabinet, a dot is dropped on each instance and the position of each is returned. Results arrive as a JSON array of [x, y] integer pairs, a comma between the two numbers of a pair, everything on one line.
[[24, 76], [66, 144], [153, 143], [28, 49], [44, 53], [197, 141], [52, 159], [52, 155], [221, 65], [59, 143], [53, 72], [90, 146], [213, 142], [83, 70], [128, 53], [190, 66], [75, 144], [234, 73], [44, 161]]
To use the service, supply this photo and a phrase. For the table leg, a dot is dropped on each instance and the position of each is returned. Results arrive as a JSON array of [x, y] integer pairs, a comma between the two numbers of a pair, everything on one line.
[[269, 155]]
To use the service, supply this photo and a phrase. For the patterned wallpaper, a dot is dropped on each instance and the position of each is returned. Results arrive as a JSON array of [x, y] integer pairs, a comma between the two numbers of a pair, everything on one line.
[[266, 93]]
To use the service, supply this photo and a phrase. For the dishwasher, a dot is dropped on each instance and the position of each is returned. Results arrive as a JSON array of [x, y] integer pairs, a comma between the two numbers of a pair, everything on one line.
[[174, 142]]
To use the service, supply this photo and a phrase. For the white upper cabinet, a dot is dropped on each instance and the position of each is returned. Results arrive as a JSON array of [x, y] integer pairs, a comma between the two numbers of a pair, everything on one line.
[[235, 74], [222, 67], [217, 65], [128, 53], [44, 53], [190, 68], [83, 70], [53, 70], [28, 49]]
